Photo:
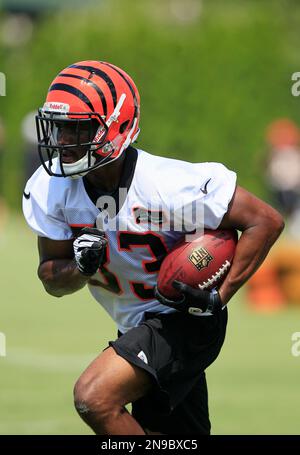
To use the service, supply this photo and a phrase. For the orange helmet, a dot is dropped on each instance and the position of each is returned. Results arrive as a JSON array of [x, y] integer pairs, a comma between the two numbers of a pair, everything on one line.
[[96, 96]]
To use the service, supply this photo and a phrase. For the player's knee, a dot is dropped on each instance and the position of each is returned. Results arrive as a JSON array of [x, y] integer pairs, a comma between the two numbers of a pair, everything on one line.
[[92, 397]]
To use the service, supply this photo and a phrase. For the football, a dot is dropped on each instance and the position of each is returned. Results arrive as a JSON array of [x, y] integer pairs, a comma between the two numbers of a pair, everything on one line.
[[203, 263]]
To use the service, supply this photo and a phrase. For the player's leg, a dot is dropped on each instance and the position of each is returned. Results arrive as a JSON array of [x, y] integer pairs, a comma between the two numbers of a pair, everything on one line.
[[152, 364], [186, 409], [105, 387], [190, 416]]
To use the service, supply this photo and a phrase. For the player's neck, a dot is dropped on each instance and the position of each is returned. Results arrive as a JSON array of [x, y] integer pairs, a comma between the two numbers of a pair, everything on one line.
[[107, 178]]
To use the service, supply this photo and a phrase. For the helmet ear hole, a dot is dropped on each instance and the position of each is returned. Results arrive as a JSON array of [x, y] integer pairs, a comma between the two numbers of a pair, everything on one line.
[[123, 126]]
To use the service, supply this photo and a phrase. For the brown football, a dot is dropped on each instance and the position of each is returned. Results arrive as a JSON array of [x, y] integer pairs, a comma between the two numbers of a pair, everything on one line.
[[202, 263]]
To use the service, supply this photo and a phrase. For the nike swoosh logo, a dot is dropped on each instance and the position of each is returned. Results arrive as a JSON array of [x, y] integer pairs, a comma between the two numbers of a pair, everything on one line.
[[204, 190], [26, 195]]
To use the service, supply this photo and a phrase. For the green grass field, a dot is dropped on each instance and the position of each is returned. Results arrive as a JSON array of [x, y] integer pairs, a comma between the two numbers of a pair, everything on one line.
[[253, 385]]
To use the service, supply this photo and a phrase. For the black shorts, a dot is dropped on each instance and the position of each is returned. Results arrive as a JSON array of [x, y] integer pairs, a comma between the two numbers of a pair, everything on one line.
[[175, 349]]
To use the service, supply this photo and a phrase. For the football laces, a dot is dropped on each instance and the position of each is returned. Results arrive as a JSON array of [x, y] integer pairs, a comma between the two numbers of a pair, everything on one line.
[[215, 277]]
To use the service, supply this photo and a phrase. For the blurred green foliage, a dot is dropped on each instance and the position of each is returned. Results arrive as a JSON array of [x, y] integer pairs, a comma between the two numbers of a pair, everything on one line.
[[210, 83]]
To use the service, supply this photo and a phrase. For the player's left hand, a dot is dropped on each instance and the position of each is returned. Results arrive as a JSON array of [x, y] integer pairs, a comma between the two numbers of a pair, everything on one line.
[[194, 301]]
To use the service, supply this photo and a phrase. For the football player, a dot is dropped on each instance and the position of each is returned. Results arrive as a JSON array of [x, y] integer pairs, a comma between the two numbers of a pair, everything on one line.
[[106, 214]]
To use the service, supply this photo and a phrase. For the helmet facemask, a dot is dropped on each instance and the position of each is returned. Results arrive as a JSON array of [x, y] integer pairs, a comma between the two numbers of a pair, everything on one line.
[[88, 132]]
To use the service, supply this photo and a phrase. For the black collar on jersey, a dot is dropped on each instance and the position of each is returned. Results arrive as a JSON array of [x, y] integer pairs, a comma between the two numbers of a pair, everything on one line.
[[94, 193]]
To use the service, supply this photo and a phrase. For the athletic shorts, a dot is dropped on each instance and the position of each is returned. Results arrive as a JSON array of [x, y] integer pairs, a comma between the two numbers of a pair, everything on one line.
[[175, 349]]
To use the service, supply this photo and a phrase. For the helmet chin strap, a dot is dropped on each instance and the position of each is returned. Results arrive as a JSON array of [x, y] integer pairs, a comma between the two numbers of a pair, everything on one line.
[[78, 167]]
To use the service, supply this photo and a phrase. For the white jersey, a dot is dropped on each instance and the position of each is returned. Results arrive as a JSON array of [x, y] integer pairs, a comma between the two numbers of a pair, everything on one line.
[[141, 228]]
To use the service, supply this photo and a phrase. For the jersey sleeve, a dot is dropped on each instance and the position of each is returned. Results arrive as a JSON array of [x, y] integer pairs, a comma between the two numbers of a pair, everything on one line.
[[200, 195], [220, 190], [43, 217]]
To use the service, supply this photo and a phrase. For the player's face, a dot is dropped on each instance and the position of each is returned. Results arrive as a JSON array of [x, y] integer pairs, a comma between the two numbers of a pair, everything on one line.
[[74, 134]]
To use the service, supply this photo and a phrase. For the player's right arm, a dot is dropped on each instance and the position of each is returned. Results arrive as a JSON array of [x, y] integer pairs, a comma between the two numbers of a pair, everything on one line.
[[67, 265], [58, 269]]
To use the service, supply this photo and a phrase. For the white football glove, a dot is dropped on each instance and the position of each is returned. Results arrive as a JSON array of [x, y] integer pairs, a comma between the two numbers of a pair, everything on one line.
[[89, 248]]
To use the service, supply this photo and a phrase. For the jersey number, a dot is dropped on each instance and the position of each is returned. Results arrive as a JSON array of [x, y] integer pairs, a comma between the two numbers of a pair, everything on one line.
[[128, 241]]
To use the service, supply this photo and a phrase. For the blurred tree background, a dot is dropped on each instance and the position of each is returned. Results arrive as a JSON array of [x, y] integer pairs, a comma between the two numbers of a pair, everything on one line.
[[212, 74]]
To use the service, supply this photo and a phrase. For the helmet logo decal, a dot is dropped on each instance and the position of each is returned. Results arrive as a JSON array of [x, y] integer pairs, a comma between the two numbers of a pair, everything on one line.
[[100, 133], [62, 107]]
